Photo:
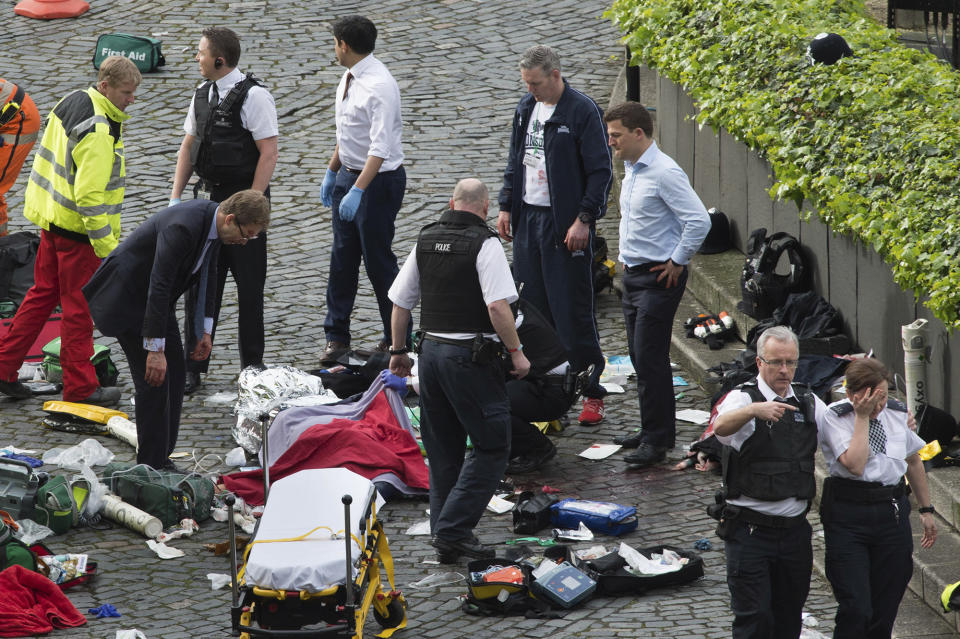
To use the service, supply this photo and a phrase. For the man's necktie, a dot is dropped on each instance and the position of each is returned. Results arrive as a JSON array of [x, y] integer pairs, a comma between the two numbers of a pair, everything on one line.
[[877, 438], [214, 97], [346, 86]]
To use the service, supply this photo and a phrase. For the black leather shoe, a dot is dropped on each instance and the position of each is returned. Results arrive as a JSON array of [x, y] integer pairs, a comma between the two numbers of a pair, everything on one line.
[[448, 551], [15, 390], [646, 455], [628, 441], [192, 383], [533, 460]]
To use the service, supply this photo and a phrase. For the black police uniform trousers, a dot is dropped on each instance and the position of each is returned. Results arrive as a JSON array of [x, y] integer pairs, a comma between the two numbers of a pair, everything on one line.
[[460, 398], [248, 264], [648, 310], [768, 574], [533, 400], [869, 561], [157, 407]]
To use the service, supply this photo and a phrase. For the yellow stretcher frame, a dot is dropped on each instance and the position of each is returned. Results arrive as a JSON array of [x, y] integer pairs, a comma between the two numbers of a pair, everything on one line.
[[390, 608]]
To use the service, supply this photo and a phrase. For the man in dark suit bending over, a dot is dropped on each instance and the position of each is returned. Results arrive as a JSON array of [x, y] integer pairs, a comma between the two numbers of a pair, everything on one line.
[[133, 296]]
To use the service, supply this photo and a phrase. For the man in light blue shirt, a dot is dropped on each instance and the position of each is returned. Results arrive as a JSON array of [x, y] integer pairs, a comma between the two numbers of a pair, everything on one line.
[[662, 224]]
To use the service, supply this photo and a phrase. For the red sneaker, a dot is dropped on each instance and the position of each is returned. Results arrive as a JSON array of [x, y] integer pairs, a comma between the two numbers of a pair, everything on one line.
[[592, 412]]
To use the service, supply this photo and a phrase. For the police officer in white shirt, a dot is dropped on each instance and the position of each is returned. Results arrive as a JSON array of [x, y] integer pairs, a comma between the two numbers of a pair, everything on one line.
[[364, 182], [865, 508]]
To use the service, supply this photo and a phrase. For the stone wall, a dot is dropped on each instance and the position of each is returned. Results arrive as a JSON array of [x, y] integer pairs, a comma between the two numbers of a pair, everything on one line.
[[730, 176]]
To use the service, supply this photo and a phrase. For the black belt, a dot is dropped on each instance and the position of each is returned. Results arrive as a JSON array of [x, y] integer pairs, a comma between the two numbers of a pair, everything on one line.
[[863, 491], [83, 238], [771, 521], [641, 268], [354, 171], [538, 209]]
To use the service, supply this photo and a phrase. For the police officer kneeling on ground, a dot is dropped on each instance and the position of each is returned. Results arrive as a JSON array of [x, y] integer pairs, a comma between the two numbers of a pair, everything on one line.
[[769, 433], [542, 396], [459, 271]]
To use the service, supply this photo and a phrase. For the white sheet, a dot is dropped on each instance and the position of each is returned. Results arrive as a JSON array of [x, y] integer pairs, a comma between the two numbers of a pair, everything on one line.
[[297, 504]]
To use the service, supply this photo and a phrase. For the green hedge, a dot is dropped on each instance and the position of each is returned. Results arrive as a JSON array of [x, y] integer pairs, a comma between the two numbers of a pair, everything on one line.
[[872, 142]]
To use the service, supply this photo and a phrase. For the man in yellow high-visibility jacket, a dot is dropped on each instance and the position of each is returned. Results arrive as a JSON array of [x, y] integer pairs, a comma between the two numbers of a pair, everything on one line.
[[74, 195]]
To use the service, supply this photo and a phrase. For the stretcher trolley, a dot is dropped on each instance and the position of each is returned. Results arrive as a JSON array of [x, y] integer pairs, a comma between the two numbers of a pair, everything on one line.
[[312, 568]]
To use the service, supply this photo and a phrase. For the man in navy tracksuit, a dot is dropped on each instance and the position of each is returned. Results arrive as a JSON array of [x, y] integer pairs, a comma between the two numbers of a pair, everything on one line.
[[555, 187]]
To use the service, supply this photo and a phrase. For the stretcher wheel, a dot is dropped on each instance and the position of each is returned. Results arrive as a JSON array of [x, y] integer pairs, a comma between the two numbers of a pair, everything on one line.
[[394, 616]]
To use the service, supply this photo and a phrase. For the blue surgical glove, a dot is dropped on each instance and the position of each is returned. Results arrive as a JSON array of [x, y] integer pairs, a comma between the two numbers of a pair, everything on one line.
[[393, 382], [173, 201], [326, 189], [350, 203]]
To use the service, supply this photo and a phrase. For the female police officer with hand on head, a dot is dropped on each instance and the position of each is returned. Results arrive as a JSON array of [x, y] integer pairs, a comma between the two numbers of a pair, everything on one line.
[[865, 509]]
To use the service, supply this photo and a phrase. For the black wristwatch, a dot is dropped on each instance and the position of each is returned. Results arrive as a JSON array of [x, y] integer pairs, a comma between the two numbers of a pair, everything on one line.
[[399, 351], [585, 217], [926, 509]]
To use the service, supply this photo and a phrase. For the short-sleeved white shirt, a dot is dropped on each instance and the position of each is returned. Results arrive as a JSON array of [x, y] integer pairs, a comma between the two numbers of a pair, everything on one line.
[[887, 468], [258, 115]]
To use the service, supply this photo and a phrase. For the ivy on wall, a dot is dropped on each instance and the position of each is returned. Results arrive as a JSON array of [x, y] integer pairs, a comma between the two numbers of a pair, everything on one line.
[[873, 141]]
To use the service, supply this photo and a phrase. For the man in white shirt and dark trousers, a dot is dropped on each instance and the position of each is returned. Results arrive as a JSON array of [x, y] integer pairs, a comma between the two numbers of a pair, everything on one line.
[[662, 224], [769, 433], [230, 142], [555, 188], [459, 272], [364, 182]]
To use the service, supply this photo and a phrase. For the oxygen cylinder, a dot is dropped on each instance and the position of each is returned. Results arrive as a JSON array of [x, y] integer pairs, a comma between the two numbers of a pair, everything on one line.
[[916, 354]]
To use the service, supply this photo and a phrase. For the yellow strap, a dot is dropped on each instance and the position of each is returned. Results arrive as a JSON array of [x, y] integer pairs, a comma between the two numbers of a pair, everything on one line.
[[386, 559], [303, 537]]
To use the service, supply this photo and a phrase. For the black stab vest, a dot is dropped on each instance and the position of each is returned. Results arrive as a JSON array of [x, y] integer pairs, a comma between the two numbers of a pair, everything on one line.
[[777, 461], [541, 344], [451, 300], [224, 152]]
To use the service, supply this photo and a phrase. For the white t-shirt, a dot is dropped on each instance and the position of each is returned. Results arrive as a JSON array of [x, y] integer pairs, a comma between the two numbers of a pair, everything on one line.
[[536, 190]]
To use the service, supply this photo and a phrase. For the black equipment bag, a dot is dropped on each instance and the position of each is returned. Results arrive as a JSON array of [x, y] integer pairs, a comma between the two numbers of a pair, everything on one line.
[[762, 288], [18, 251], [614, 579], [532, 513]]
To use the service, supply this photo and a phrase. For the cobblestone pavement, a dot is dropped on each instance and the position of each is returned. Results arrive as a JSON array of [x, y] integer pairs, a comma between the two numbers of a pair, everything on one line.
[[455, 61]]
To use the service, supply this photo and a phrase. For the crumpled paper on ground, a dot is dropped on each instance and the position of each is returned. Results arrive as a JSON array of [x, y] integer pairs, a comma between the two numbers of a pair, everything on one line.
[[132, 633], [218, 580], [164, 551]]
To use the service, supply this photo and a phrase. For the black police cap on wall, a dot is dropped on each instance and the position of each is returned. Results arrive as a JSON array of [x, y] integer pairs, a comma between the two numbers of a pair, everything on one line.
[[827, 48]]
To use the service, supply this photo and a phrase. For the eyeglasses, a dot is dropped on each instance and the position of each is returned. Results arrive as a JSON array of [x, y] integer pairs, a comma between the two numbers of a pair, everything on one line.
[[243, 234], [777, 363]]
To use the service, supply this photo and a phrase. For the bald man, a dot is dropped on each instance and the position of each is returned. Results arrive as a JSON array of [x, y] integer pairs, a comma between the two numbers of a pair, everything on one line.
[[459, 271]]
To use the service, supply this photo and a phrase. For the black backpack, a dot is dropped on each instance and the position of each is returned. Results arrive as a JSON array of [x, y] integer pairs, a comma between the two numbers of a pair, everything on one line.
[[762, 288]]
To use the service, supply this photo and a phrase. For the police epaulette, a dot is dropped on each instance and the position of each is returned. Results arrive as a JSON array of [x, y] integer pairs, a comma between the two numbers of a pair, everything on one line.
[[896, 404], [841, 408]]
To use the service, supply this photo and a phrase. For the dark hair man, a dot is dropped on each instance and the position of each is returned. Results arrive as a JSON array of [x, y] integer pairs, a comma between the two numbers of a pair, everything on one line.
[[769, 431], [460, 273], [134, 293], [364, 182], [555, 187], [230, 142], [662, 224], [74, 195]]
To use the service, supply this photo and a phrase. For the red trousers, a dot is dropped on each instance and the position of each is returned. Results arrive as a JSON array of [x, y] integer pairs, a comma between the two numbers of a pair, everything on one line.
[[63, 266], [17, 136]]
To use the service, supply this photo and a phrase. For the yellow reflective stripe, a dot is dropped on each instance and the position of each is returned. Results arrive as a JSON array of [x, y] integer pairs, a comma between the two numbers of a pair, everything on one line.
[[87, 125], [57, 197], [58, 168], [99, 209], [100, 233]]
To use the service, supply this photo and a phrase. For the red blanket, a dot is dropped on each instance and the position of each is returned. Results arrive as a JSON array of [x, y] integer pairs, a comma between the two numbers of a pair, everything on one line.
[[31, 604], [371, 446]]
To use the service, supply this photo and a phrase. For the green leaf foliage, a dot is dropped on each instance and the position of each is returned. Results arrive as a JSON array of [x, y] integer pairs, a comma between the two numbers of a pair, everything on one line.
[[872, 142]]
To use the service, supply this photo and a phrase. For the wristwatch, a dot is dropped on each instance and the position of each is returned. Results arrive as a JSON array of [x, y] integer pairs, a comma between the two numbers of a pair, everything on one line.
[[926, 509], [399, 351], [585, 217]]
